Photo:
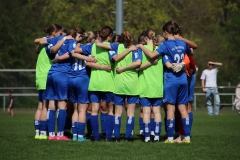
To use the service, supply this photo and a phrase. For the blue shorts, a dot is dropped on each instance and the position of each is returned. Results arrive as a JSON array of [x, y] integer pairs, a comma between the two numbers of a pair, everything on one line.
[[97, 96], [40, 95], [120, 99], [148, 102], [57, 86], [191, 84], [176, 90], [78, 89]]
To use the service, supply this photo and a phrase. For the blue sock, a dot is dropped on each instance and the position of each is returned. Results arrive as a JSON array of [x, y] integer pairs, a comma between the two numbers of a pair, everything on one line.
[[37, 125], [147, 129], [94, 123], [51, 120], [165, 124], [158, 128], [61, 120], [88, 121], [104, 122], [80, 128], [117, 126], [190, 120], [110, 126], [170, 127], [74, 128], [129, 127], [133, 122], [43, 126], [152, 124], [141, 124], [186, 126], [68, 124]]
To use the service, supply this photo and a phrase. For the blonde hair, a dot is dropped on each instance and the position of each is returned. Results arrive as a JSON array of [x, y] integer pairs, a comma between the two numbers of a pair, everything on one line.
[[89, 36], [160, 39]]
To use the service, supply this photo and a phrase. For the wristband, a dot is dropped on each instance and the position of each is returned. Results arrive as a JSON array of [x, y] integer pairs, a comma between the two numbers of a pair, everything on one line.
[[64, 38]]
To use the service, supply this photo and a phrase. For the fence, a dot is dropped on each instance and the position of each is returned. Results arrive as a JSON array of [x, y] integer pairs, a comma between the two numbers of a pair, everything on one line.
[[214, 104], [13, 77]]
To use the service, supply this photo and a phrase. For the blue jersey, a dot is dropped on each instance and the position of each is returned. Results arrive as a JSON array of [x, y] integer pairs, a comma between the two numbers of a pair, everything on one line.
[[64, 65], [173, 51], [52, 42], [114, 49], [78, 65], [87, 49], [88, 69], [175, 84]]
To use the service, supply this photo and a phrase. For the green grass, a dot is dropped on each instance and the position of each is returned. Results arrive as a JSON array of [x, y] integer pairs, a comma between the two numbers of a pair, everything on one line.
[[213, 137]]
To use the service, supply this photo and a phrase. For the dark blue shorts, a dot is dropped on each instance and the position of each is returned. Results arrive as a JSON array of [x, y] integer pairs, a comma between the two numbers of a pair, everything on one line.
[[97, 96], [120, 99], [148, 102], [78, 89]]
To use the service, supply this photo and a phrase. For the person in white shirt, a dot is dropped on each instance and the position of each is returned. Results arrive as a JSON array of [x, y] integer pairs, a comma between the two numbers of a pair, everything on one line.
[[209, 86]]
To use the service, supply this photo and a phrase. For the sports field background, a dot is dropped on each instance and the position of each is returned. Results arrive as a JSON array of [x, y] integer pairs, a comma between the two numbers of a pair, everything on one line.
[[213, 137]]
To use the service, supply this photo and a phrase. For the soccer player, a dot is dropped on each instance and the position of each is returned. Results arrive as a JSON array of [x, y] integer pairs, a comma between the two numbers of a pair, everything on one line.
[[190, 71], [175, 81], [42, 67], [57, 83], [141, 40], [126, 80], [151, 88], [78, 86], [101, 73], [90, 37]]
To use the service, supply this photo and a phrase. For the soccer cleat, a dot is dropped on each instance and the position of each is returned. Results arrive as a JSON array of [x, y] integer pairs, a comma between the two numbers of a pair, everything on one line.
[[103, 135], [108, 140], [63, 138], [186, 141], [155, 140], [74, 138], [126, 140], [168, 141], [89, 135], [68, 134], [117, 140], [178, 140], [43, 137], [52, 138], [37, 137], [146, 141], [82, 139], [152, 137]]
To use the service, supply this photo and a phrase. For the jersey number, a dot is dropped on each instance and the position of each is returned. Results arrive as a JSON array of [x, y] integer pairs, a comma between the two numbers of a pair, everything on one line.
[[178, 57], [79, 64]]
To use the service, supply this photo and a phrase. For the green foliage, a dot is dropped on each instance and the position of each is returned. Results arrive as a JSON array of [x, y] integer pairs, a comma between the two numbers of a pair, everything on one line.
[[213, 25]]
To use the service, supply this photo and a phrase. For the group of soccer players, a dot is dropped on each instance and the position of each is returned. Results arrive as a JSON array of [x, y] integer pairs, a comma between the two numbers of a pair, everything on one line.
[[109, 72]]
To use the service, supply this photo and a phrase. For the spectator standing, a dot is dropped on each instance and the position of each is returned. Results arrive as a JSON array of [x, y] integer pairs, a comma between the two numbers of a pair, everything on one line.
[[236, 102], [209, 86], [11, 104]]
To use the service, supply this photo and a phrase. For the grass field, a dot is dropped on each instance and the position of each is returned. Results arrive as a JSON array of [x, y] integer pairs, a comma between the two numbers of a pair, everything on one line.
[[213, 137]]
